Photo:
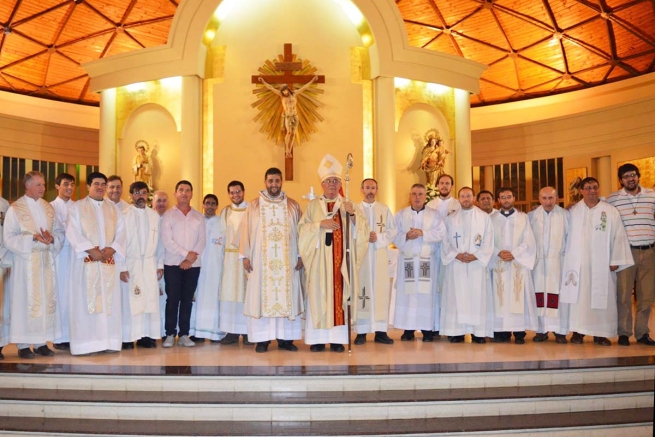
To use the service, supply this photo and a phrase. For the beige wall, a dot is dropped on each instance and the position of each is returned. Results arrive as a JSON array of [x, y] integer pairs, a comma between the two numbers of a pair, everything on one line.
[[253, 32]]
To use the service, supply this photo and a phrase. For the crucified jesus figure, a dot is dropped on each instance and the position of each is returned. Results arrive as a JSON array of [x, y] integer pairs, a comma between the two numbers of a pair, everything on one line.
[[289, 113]]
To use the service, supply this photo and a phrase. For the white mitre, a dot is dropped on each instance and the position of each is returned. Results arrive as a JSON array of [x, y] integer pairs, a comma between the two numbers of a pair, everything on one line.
[[329, 168]]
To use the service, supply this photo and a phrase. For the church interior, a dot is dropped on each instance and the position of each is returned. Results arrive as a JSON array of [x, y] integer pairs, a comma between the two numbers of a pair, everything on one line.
[[519, 93]]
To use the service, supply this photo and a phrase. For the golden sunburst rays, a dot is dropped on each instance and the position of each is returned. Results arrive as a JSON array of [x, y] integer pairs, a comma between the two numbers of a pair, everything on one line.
[[269, 106]]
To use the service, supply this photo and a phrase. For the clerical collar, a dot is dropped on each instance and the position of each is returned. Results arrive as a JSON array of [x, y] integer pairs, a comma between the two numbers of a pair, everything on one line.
[[239, 207], [370, 205], [412, 208], [329, 200], [270, 198], [207, 217], [507, 213], [97, 200]]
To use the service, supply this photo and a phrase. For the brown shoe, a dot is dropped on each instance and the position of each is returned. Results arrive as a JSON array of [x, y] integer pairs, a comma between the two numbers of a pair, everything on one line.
[[602, 341], [560, 339], [577, 338], [540, 338]]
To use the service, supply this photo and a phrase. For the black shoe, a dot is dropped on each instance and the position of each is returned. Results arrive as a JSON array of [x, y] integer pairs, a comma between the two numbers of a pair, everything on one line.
[[624, 340], [230, 339], [382, 337], [146, 342], [407, 336], [577, 338], [287, 345], [360, 339], [519, 340], [2, 357], [478, 340], [602, 341], [560, 339], [456, 339], [436, 335], [334, 347], [195, 339], [262, 346], [26, 353], [245, 340], [540, 338], [62, 346], [317, 348], [44, 351], [645, 339], [428, 336], [127, 345]]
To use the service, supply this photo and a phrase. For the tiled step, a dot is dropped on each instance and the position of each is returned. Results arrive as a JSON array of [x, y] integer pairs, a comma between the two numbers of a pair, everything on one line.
[[635, 422]]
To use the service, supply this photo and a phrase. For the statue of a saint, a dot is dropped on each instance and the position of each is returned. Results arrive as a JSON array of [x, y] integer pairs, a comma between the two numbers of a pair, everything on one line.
[[289, 113], [433, 158], [141, 166]]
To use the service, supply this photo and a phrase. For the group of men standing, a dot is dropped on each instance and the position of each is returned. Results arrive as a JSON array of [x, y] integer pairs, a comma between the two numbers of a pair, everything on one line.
[[100, 274]]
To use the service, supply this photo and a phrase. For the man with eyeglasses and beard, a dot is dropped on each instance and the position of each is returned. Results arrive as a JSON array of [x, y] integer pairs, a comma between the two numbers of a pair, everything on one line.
[[636, 205], [141, 270]]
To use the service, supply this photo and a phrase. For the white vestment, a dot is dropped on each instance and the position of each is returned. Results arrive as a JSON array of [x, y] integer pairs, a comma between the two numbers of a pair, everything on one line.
[[269, 239], [597, 241], [62, 265], [34, 318], [467, 301], [417, 303], [209, 282], [5, 269], [550, 232], [374, 279], [144, 255], [444, 207], [233, 283], [319, 260], [95, 310], [515, 306]]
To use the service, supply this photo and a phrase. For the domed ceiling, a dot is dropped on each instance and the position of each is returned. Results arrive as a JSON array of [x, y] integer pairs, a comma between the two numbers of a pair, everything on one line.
[[533, 47]]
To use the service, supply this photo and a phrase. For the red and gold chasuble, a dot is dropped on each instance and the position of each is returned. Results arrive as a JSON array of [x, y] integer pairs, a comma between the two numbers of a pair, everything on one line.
[[337, 260]]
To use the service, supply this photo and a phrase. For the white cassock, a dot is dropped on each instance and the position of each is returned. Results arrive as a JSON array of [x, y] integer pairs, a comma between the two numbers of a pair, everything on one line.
[[162, 298], [5, 269], [467, 298], [374, 279], [126, 312], [62, 265], [597, 241], [417, 303], [233, 283], [95, 310], [550, 232], [319, 260], [268, 237], [209, 282], [34, 318], [515, 306], [144, 255]]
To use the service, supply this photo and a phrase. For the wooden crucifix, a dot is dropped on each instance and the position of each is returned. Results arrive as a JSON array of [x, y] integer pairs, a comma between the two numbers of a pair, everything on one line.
[[287, 95]]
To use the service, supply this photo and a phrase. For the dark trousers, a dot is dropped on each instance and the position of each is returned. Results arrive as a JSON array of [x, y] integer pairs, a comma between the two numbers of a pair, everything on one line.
[[180, 288], [508, 335]]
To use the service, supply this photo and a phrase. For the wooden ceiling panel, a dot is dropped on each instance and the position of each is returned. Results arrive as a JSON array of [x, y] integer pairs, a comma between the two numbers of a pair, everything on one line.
[[150, 9], [566, 84], [6, 8], [533, 10], [121, 44], [44, 28], [593, 33], [91, 97], [594, 75], [618, 3], [491, 92], [482, 27], [421, 11], [114, 10], [531, 74], [86, 50], [455, 11], [579, 58], [151, 35], [502, 72], [32, 70], [479, 52], [83, 22], [618, 73], [16, 47], [443, 43], [641, 63], [627, 43], [70, 90], [16, 84], [640, 17], [62, 70], [419, 36], [521, 32], [569, 13], [29, 8], [547, 53]]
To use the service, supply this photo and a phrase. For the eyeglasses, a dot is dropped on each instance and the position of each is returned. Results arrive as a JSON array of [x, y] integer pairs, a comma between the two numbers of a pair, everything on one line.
[[234, 193], [594, 188], [332, 181], [630, 176]]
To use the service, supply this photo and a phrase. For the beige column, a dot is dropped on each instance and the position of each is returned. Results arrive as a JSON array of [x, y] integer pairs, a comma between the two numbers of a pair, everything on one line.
[[463, 162], [191, 136], [488, 183], [107, 153], [384, 139], [604, 175]]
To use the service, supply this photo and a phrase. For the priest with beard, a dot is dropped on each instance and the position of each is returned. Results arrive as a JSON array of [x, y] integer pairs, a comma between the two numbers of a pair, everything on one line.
[[268, 247], [467, 299], [323, 244]]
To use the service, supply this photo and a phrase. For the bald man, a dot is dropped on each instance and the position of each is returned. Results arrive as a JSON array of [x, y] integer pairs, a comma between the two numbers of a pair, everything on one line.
[[550, 225]]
